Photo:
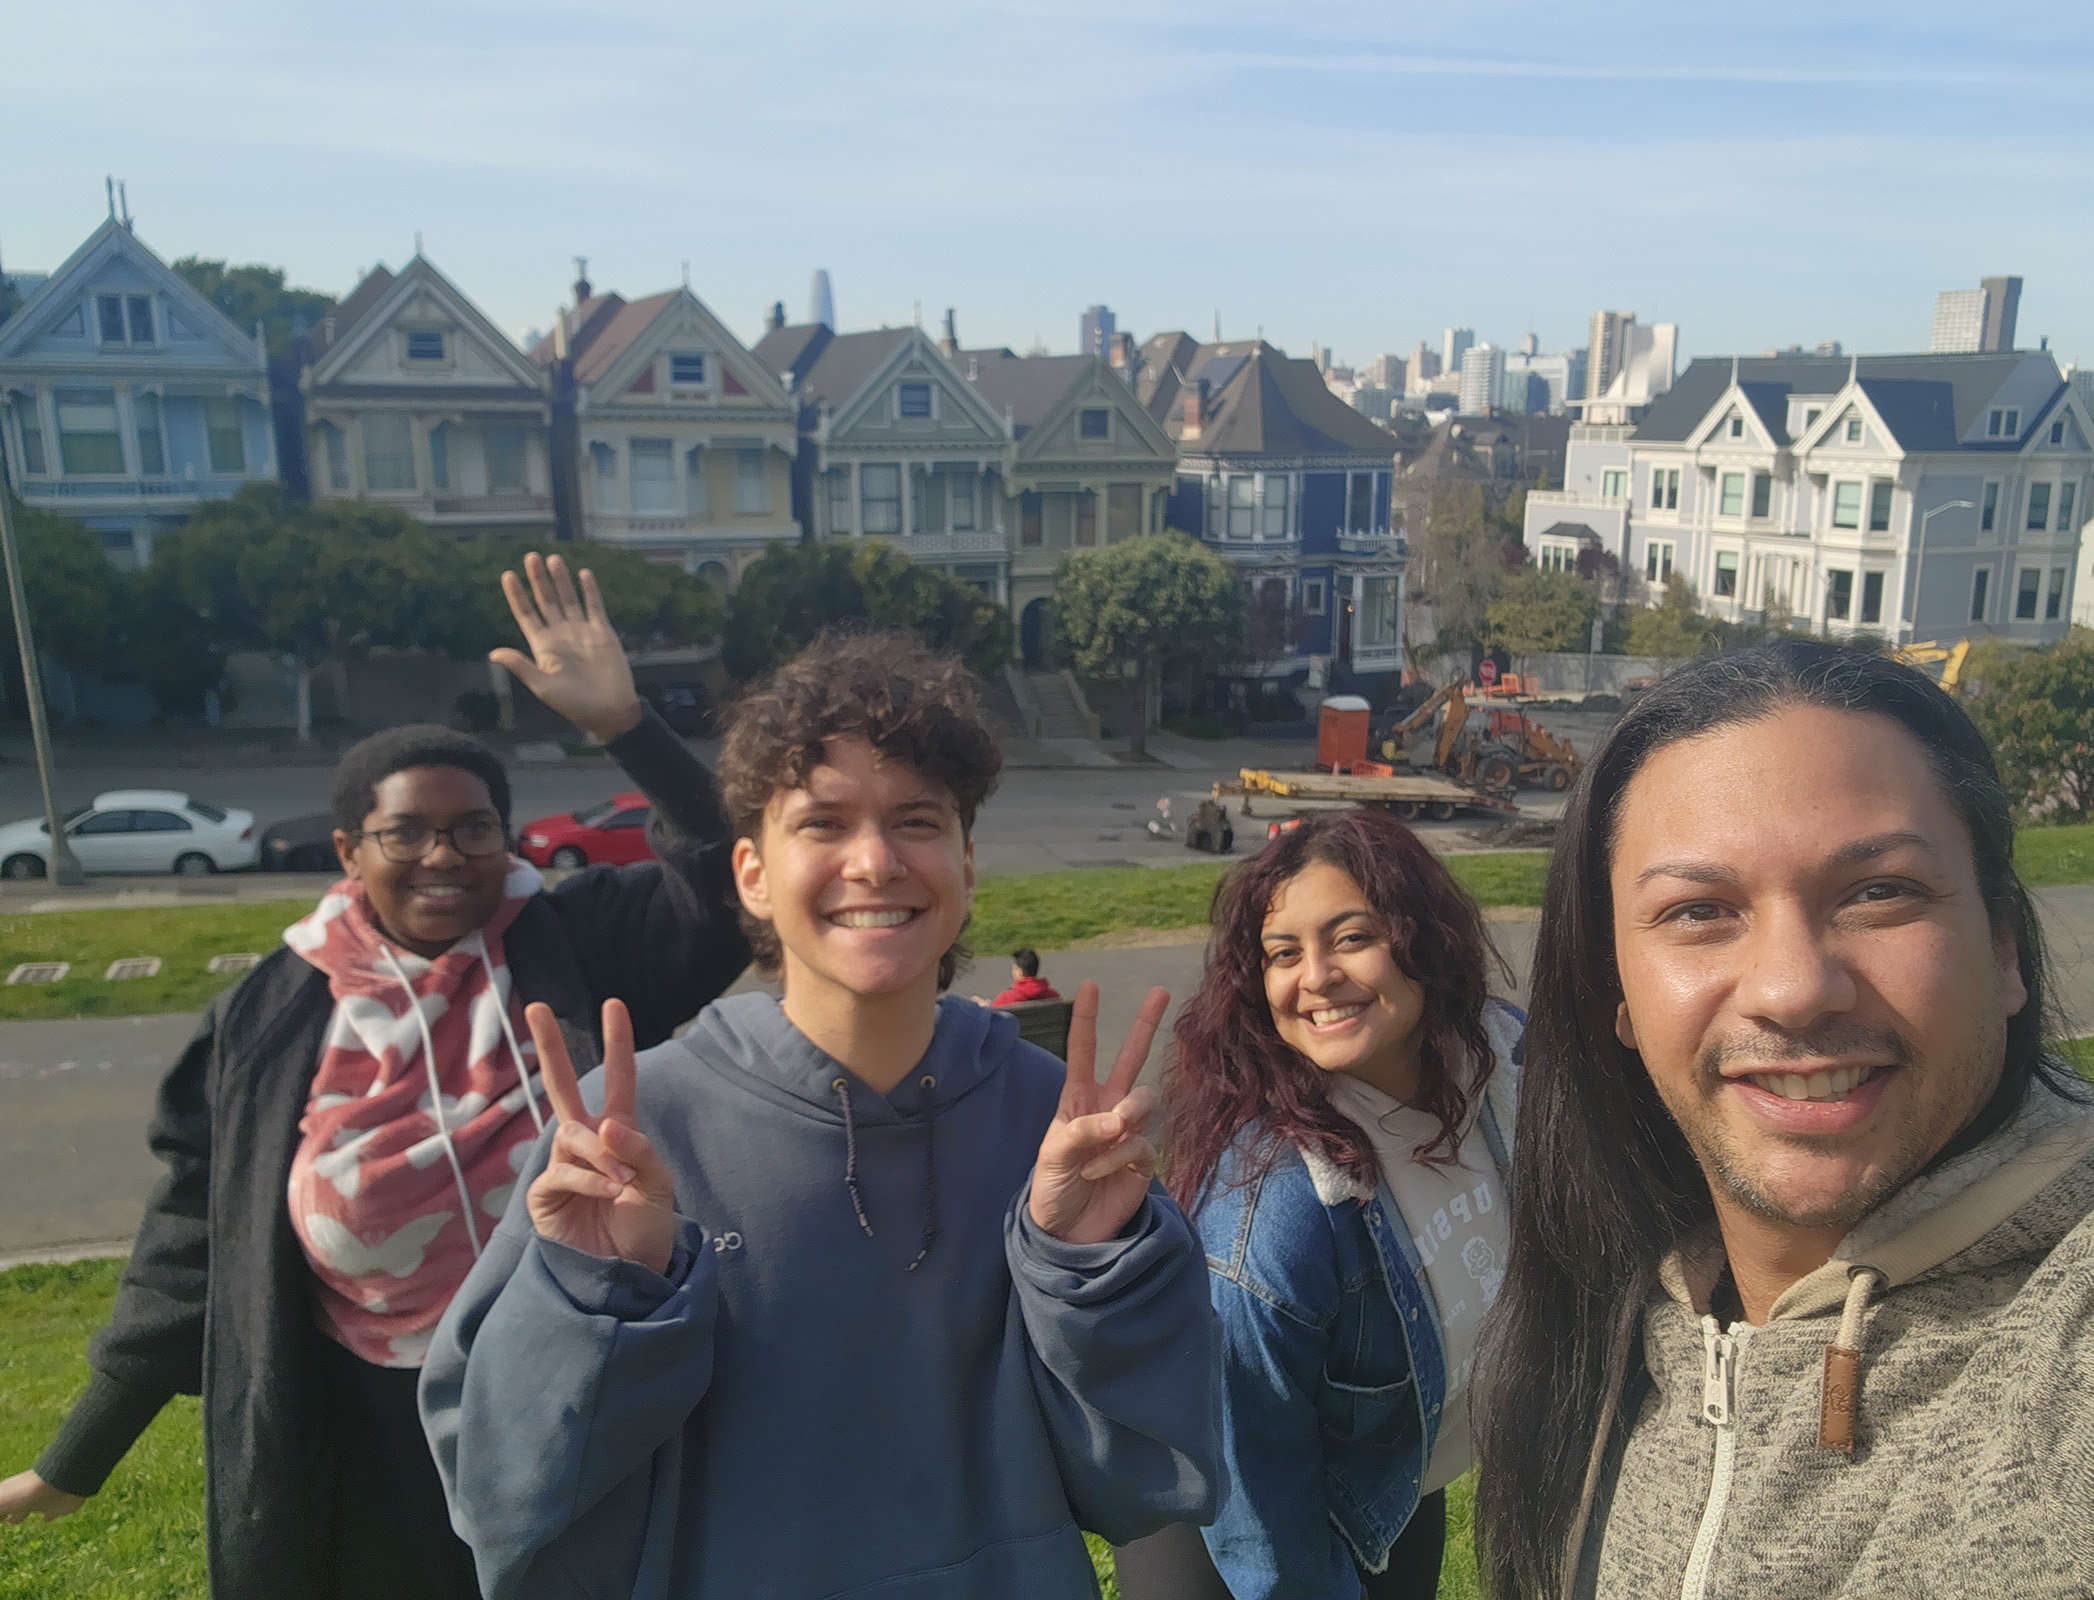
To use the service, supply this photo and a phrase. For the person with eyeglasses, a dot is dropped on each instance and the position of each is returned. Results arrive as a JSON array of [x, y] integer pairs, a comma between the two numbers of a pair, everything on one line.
[[344, 1130]]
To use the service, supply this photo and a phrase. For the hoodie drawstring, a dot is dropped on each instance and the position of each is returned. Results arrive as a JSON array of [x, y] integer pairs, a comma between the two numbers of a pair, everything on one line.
[[436, 1097], [523, 1073], [841, 1088], [1841, 1392]]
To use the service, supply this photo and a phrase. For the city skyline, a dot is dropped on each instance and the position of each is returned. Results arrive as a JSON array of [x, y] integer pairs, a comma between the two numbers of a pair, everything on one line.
[[1776, 182]]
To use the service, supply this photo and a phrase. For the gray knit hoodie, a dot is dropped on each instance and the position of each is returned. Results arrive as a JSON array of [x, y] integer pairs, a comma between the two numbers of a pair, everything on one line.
[[1964, 1464]]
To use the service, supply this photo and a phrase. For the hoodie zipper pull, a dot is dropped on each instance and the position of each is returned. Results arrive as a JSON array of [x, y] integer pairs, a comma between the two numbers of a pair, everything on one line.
[[1719, 1367]]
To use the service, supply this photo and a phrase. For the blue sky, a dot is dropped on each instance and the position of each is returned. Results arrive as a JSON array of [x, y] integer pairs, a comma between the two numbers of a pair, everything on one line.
[[1358, 174]]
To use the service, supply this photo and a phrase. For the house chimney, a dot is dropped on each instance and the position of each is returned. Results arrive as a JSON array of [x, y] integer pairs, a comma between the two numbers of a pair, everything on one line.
[[1195, 408], [582, 286], [974, 369], [950, 344], [777, 315]]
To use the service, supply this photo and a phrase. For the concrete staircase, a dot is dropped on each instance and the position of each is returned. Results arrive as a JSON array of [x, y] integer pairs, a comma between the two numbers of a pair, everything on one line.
[[1059, 711]]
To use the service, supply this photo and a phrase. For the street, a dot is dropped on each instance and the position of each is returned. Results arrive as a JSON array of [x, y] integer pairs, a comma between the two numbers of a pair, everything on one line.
[[74, 1168]]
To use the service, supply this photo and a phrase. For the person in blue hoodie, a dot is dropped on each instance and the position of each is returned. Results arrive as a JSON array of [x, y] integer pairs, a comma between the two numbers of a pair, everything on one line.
[[850, 1292]]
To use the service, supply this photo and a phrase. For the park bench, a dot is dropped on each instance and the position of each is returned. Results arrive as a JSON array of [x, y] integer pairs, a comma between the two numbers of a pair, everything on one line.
[[1044, 1023]]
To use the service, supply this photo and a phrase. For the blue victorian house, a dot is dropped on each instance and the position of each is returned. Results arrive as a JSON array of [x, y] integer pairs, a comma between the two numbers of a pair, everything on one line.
[[1293, 486], [127, 398]]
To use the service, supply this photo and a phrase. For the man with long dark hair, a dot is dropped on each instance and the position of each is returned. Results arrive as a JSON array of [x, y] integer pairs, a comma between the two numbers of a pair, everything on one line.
[[1800, 1300]]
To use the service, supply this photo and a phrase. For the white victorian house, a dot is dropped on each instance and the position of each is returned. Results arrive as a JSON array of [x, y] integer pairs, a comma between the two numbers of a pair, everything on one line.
[[686, 440], [1915, 497], [414, 399], [127, 398]]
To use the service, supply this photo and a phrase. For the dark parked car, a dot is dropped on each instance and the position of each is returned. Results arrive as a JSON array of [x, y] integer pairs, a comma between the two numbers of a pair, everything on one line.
[[300, 844]]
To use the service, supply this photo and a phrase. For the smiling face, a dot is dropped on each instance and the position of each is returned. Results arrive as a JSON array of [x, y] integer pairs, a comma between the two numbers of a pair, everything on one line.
[[1338, 997], [864, 873], [1807, 966], [430, 904]]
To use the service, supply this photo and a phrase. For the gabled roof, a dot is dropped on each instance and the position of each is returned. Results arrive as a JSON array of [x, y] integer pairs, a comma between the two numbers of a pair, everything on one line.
[[1027, 386], [1928, 402], [843, 364], [583, 323], [792, 352], [608, 338], [1164, 360], [417, 277], [350, 312], [110, 240], [1262, 402]]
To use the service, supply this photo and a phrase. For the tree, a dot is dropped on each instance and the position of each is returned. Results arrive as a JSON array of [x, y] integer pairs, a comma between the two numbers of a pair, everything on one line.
[[79, 604], [1128, 609], [1542, 611], [651, 604], [791, 593], [1460, 564], [2036, 707], [1674, 628], [256, 293]]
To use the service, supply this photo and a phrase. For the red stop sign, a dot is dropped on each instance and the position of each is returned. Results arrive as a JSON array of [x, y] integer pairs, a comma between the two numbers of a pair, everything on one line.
[[1487, 674]]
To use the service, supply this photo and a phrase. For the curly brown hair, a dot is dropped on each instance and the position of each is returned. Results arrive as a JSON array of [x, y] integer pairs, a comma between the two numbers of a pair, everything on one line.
[[912, 705]]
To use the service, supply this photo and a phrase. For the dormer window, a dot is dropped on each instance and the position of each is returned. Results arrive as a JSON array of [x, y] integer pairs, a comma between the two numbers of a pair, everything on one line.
[[2057, 431], [125, 318], [2003, 424], [1737, 427], [912, 400], [1854, 430], [425, 344], [687, 371], [1811, 415], [1094, 422]]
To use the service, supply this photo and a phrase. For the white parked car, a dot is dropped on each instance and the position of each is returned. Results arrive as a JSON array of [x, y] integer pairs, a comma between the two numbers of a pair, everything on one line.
[[136, 830]]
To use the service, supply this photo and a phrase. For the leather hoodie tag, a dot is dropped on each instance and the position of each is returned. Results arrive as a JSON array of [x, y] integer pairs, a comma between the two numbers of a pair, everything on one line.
[[1836, 1401]]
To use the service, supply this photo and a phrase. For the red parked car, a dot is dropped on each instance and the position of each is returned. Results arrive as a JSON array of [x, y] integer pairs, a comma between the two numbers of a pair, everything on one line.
[[613, 830]]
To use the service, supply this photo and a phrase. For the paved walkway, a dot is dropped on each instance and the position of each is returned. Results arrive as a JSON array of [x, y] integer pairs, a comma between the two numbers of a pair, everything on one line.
[[75, 1096]]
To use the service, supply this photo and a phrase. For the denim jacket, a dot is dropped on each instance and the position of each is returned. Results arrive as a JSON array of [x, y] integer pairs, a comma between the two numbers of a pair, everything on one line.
[[1333, 1373]]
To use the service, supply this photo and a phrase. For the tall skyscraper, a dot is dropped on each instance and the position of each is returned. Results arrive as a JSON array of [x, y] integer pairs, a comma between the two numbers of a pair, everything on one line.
[[1095, 331], [821, 304], [1386, 372], [1424, 363], [2002, 305], [1976, 319], [1482, 379], [1454, 343], [1608, 349]]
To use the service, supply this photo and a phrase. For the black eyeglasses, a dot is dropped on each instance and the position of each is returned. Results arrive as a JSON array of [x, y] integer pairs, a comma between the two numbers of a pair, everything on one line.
[[475, 837]]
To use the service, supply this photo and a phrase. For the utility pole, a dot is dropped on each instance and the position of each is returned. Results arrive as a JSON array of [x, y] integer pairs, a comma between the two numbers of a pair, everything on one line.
[[65, 870]]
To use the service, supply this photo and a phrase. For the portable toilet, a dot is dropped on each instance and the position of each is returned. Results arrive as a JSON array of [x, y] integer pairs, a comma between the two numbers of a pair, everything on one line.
[[1341, 733]]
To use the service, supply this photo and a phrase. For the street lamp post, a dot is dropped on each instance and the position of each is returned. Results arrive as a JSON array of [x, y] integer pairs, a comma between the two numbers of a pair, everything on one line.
[[65, 870], [1919, 565]]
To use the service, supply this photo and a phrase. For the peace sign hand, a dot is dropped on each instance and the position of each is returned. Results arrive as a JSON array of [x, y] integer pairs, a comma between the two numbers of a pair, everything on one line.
[[576, 664], [1094, 1164], [605, 1192]]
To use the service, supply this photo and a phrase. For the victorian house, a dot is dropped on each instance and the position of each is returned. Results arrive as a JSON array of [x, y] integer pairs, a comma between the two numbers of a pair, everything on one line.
[[414, 399], [1089, 467], [1908, 497], [686, 441], [1293, 485], [896, 444], [127, 398]]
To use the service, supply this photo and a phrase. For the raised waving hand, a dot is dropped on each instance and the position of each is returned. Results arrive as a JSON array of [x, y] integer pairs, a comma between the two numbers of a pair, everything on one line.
[[576, 664], [605, 1191], [1095, 1163]]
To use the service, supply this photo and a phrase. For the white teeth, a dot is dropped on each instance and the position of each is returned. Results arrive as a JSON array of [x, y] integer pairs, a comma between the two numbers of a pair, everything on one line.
[[871, 919], [1331, 1014], [1814, 1086]]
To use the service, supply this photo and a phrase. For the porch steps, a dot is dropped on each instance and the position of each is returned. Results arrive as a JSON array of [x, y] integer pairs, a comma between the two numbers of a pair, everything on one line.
[[1061, 715]]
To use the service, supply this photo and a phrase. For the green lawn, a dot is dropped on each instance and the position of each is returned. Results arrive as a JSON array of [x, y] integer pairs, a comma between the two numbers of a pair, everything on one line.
[[184, 937], [141, 1538], [1046, 910], [2048, 857]]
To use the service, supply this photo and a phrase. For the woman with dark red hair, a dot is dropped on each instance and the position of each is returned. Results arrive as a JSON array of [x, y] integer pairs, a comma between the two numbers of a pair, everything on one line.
[[1340, 1116]]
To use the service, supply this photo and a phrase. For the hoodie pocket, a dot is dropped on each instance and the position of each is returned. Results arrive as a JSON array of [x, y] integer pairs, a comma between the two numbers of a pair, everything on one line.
[[1358, 1415]]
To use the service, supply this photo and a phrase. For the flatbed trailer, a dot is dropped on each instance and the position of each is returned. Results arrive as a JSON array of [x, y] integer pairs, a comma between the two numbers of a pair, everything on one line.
[[1409, 795]]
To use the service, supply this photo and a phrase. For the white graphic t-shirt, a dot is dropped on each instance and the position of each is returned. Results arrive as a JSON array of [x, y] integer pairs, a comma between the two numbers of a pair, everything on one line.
[[1456, 1217]]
